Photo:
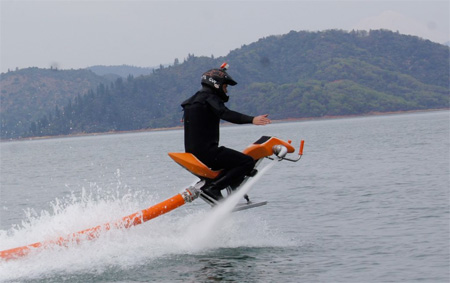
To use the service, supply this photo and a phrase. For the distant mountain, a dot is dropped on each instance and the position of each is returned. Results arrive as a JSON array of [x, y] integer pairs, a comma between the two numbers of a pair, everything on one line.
[[121, 71], [28, 94], [299, 74]]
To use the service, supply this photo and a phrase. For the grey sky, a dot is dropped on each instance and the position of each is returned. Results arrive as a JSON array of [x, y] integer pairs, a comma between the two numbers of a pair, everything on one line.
[[78, 34]]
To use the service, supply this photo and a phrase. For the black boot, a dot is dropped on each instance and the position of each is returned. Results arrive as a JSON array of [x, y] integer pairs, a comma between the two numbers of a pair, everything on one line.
[[212, 191]]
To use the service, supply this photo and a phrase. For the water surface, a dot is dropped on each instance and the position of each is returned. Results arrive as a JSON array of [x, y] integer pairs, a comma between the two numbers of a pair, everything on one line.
[[368, 202]]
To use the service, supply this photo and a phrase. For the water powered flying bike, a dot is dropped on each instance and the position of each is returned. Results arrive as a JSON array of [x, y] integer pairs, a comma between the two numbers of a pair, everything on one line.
[[265, 147]]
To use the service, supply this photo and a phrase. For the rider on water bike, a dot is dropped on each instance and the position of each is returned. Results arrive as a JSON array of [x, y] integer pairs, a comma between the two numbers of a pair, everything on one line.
[[202, 114]]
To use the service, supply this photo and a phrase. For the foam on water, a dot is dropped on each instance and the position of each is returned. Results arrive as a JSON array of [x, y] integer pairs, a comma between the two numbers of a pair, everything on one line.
[[205, 229], [188, 230]]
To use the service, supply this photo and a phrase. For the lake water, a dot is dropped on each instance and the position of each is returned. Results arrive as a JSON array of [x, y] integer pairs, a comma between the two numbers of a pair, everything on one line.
[[368, 202]]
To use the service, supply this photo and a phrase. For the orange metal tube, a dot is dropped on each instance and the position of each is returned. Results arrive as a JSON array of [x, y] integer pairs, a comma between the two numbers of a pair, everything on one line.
[[92, 233], [302, 143]]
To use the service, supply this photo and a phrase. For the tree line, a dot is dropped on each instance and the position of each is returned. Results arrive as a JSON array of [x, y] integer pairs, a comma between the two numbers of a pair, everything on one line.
[[299, 74]]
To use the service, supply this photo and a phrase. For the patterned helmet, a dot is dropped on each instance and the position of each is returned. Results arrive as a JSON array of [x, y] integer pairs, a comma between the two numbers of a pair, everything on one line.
[[216, 78]]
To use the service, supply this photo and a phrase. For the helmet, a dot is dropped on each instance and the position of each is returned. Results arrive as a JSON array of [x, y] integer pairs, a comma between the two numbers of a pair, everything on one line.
[[216, 78]]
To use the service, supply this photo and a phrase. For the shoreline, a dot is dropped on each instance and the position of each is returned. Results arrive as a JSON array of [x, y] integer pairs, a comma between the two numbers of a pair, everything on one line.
[[286, 120]]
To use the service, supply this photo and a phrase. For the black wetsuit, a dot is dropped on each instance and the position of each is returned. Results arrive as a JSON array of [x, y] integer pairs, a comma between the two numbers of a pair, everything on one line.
[[202, 115]]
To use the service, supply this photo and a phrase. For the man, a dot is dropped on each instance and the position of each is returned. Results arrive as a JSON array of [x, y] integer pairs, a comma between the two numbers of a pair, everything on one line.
[[202, 115]]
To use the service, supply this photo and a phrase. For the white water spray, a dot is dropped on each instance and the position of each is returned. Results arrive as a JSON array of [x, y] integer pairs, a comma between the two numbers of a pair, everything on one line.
[[200, 234]]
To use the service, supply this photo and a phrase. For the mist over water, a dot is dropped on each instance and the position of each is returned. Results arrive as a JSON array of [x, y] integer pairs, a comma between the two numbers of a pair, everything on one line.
[[183, 232], [211, 223], [368, 202]]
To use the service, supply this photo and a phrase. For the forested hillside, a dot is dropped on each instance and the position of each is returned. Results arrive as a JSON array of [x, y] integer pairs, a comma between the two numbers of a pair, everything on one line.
[[121, 71], [300, 74], [29, 94]]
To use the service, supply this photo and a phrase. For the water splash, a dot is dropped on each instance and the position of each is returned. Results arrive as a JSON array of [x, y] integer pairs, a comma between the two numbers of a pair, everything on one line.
[[203, 231], [189, 230]]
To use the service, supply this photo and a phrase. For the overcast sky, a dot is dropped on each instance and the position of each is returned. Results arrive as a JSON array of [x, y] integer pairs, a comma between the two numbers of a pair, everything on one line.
[[78, 34]]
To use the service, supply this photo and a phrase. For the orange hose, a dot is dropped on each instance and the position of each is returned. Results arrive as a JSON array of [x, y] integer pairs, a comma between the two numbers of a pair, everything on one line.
[[92, 233]]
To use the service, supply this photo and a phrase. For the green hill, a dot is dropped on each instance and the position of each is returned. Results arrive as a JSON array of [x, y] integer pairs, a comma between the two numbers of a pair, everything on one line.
[[120, 71], [299, 74], [31, 93]]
